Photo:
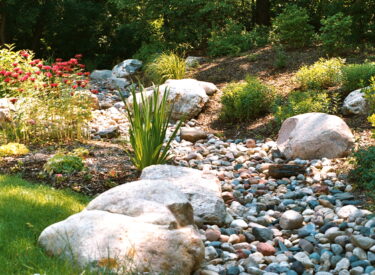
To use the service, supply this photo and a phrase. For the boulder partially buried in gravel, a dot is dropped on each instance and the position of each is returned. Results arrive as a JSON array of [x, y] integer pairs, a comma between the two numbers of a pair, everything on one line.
[[141, 226], [192, 134], [315, 136], [202, 189]]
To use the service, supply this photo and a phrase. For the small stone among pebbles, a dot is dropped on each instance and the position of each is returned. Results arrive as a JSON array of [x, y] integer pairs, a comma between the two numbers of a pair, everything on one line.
[[291, 220]]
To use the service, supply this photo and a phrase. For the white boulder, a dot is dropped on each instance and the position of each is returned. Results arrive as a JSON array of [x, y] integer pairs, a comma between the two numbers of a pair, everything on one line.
[[126, 68], [202, 189], [139, 226], [355, 103], [188, 97], [314, 136]]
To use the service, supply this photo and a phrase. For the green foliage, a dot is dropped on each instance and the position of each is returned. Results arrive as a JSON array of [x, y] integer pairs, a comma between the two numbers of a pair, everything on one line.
[[303, 102], [233, 39], [364, 173], [229, 40], [52, 102], [111, 30], [357, 76], [292, 28], [27, 208], [166, 66], [280, 58], [322, 74], [13, 149], [370, 96], [149, 116], [64, 164], [244, 101], [148, 52], [335, 32]]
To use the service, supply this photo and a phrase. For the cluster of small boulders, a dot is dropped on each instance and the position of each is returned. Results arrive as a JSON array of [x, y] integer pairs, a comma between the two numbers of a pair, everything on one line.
[[307, 223]]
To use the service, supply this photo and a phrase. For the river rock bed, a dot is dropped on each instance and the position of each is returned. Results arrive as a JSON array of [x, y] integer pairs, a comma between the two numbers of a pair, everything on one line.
[[308, 223]]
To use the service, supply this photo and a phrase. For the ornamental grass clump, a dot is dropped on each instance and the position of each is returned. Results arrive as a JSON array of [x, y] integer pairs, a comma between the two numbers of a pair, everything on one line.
[[166, 66], [52, 102], [149, 115]]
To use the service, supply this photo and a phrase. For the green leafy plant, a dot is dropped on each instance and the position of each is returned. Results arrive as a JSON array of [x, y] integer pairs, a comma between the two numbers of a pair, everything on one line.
[[149, 115], [357, 76], [303, 102], [63, 164], [148, 52], [166, 66], [12, 149], [292, 28], [243, 101], [52, 102], [229, 40], [322, 74], [335, 32], [370, 96], [364, 172]]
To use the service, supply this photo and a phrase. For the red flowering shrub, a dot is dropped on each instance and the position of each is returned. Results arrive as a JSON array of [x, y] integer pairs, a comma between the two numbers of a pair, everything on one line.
[[52, 96]]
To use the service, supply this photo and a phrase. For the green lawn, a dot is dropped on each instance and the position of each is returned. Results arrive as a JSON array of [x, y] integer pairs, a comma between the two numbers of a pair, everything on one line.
[[25, 210]]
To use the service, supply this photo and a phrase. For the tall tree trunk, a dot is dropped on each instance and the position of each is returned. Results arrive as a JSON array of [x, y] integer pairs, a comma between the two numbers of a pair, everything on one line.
[[262, 12], [2, 23]]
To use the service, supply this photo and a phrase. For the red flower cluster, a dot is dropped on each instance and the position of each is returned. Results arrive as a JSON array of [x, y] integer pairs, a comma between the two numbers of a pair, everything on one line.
[[67, 73]]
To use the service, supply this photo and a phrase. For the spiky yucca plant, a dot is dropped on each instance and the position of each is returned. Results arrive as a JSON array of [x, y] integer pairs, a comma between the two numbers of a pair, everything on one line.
[[149, 116]]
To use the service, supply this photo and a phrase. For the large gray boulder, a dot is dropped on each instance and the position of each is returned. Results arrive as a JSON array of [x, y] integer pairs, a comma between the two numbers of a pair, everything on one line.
[[314, 136], [101, 74], [202, 189], [139, 226], [188, 96], [194, 61], [355, 103], [120, 84], [126, 68]]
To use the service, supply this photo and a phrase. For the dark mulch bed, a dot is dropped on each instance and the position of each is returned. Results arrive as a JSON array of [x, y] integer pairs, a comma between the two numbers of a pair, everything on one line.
[[107, 166]]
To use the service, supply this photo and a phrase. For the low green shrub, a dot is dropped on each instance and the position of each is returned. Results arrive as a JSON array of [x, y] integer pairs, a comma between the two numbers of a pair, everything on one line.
[[292, 28], [370, 95], [148, 52], [363, 175], [63, 164], [229, 40], [304, 102], [259, 36], [149, 118], [322, 74], [13, 149], [244, 101], [166, 66], [335, 32], [357, 76]]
